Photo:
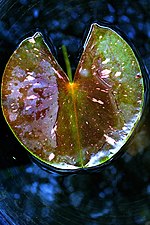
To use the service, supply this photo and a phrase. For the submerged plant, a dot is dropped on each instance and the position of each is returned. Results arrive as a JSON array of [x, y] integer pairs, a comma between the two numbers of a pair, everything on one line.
[[73, 123]]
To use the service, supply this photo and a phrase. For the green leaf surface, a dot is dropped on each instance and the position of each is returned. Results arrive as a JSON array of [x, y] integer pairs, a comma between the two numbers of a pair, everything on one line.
[[76, 124]]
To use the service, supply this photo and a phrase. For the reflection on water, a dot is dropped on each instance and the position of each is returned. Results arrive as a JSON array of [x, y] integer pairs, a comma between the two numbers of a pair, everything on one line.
[[118, 195]]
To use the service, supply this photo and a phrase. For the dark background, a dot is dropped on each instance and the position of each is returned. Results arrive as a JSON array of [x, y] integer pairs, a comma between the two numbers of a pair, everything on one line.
[[118, 195]]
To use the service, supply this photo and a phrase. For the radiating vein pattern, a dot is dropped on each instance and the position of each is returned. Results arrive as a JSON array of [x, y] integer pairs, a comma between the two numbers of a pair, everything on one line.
[[78, 124]]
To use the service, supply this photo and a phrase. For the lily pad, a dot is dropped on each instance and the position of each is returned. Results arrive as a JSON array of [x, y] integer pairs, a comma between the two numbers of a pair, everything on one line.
[[80, 123]]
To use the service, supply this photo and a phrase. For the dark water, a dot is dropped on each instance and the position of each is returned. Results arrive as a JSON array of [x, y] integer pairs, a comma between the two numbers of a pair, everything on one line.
[[118, 195]]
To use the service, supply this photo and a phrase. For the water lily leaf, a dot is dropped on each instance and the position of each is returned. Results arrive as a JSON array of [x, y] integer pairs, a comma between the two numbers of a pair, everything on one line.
[[73, 124]]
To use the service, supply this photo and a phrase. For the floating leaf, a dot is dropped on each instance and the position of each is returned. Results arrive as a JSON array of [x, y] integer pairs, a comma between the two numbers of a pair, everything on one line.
[[73, 124]]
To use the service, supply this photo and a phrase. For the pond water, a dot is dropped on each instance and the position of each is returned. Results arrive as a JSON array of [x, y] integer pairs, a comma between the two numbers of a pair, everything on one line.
[[120, 193]]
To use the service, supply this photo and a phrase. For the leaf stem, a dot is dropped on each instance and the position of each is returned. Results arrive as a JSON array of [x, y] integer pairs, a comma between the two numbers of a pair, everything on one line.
[[67, 62]]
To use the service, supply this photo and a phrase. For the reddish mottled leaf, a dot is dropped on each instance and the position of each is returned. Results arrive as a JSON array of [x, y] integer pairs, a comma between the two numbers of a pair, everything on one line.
[[73, 124]]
